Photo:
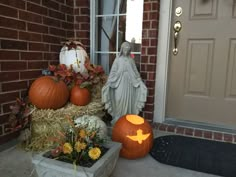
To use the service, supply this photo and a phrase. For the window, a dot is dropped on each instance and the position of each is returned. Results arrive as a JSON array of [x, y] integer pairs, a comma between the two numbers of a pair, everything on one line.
[[112, 23]]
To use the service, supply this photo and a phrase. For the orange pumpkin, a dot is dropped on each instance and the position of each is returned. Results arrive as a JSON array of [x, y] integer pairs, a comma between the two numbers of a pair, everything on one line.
[[80, 96], [135, 134], [48, 92]]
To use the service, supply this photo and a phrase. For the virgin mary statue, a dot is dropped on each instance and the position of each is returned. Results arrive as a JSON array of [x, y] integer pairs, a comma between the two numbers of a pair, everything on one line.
[[124, 92]]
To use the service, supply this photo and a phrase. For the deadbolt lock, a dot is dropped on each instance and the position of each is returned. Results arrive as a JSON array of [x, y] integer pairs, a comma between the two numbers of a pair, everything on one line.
[[178, 11]]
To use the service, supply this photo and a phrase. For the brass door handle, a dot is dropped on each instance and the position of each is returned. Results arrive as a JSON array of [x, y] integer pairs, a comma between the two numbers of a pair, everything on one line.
[[177, 28]]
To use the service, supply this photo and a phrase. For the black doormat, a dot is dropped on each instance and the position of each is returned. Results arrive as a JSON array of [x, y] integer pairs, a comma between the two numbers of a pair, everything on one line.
[[206, 156]]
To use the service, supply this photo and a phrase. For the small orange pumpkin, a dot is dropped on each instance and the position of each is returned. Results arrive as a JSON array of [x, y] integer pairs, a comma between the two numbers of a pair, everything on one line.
[[48, 92], [135, 134], [80, 96]]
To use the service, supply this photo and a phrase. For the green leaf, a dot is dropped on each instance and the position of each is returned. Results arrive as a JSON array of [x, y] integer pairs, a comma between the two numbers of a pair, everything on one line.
[[85, 84]]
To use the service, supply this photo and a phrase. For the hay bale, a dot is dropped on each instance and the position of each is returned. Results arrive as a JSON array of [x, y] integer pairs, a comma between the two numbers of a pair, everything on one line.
[[47, 122]]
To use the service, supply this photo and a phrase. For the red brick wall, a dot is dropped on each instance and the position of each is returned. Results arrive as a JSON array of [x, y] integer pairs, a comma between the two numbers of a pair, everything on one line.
[[149, 52], [82, 22], [30, 35]]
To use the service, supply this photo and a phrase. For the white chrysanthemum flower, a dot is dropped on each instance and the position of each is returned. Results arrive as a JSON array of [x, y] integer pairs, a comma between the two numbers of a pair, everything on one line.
[[91, 123]]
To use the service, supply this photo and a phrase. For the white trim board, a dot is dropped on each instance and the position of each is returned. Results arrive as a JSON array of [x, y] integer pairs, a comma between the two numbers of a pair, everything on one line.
[[162, 60]]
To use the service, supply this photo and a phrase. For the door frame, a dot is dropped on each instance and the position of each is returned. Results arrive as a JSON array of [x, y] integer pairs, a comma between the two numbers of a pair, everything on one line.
[[163, 53]]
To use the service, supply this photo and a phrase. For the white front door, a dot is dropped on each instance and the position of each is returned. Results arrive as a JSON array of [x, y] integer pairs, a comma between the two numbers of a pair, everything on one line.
[[201, 83]]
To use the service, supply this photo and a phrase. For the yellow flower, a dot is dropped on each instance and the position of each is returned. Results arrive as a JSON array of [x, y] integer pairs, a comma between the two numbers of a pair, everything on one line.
[[67, 148], [79, 146], [94, 153], [82, 133]]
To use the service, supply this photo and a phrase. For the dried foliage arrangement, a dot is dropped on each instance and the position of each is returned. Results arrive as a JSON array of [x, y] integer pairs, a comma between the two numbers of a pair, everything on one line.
[[20, 119], [94, 75], [77, 144], [37, 125]]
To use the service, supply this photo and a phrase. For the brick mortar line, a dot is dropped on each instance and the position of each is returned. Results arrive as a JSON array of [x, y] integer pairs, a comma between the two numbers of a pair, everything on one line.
[[41, 15], [194, 129]]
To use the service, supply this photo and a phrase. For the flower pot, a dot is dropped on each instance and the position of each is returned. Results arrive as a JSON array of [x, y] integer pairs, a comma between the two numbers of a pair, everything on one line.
[[46, 167]]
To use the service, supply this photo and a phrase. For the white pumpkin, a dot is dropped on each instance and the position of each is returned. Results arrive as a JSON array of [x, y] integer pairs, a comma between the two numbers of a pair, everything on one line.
[[92, 122], [74, 56]]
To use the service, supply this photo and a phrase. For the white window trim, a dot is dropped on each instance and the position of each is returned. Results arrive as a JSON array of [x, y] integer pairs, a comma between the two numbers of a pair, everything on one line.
[[110, 15], [92, 34]]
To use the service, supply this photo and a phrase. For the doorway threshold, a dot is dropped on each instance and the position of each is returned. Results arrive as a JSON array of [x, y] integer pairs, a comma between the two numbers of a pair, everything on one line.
[[199, 125]]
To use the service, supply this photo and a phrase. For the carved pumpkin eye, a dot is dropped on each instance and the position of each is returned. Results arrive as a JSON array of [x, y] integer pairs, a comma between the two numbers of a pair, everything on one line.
[[135, 134]]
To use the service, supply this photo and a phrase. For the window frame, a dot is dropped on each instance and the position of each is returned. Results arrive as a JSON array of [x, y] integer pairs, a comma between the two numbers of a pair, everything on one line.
[[93, 32]]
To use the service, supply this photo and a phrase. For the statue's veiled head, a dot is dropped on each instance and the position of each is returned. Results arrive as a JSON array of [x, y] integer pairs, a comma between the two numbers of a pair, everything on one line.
[[125, 49]]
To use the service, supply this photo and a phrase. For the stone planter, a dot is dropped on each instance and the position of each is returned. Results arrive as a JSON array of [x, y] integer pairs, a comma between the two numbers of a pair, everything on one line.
[[46, 167]]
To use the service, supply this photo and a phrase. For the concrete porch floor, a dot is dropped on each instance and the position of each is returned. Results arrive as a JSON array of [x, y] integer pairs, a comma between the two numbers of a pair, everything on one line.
[[15, 162]]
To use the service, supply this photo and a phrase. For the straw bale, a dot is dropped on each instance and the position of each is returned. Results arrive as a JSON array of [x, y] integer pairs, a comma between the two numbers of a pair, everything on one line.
[[47, 122]]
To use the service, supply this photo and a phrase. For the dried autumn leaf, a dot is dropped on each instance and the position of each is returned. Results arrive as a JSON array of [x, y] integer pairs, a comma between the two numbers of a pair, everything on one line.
[[15, 109], [96, 80], [78, 82], [12, 120], [62, 67], [52, 68], [20, 102], [99, 69]]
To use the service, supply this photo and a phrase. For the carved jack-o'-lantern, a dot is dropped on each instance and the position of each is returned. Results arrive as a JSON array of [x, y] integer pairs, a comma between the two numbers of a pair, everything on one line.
[[135, 134], [73, 54]]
